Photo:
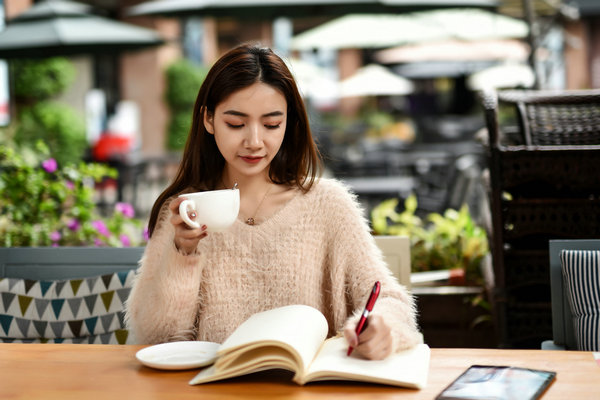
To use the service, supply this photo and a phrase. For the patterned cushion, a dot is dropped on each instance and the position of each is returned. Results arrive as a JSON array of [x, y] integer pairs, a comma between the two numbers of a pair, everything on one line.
[[581, 273], [86, 310]]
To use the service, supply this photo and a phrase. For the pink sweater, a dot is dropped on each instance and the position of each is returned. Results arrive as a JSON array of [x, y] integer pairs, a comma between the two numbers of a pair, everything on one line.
[[317, 250]]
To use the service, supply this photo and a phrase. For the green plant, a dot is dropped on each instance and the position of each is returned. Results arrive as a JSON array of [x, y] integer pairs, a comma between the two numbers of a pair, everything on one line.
[[443, 241], [36, 80], [57, 125], [42, 204], [183, 81]]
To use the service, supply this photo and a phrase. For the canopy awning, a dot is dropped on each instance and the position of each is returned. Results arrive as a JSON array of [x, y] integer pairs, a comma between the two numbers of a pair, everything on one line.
[[271, 9], [59, 27], [381, 31]]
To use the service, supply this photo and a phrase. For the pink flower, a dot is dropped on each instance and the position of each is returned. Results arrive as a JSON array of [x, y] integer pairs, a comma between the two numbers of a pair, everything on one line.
[[70, 185], [101, 227], [74, 224], [55, 236], [125, 240], [126, 209], [50, 165], [98, 242], [146, 234]]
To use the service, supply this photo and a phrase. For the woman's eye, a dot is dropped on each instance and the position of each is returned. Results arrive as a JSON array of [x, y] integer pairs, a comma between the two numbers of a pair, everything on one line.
[[272, 126], [234, 126]]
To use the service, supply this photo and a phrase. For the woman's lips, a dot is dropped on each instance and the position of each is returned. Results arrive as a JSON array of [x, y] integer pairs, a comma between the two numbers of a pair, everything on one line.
[[251, 159]]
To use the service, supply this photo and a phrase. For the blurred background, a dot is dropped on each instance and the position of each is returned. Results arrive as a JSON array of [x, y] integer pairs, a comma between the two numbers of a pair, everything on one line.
[[96, 102], [391, 86]]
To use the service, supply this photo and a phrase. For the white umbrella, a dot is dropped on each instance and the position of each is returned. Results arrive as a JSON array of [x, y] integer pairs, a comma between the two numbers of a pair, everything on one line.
[[375, 80], [502, 77], [379, 31], [314, 82], [456, 50]]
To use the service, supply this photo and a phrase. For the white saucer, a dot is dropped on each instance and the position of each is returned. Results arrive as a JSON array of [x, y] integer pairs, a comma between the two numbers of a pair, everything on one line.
[[179, 355]]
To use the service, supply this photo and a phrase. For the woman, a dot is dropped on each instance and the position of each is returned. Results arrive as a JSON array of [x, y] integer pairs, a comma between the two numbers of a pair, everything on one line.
[[299, 239]]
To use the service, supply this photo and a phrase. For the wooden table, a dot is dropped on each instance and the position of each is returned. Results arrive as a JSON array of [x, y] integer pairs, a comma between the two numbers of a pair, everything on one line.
[[79, 371]]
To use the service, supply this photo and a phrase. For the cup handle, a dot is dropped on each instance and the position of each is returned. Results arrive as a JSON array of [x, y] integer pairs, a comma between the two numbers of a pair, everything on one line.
[[183, 212]]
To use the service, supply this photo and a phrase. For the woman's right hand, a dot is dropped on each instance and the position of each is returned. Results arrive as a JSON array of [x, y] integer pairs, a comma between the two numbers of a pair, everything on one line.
[[186, 237]]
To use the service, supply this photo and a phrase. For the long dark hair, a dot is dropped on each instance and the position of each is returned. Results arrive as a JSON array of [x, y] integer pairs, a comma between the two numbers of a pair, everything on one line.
[[297, 162]]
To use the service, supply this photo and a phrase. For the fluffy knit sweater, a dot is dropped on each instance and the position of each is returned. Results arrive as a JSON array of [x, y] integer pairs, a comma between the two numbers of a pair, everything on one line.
[[316, 250]]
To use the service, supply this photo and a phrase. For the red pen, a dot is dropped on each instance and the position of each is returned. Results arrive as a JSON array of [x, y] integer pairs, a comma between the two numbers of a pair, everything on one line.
[[362, 323]]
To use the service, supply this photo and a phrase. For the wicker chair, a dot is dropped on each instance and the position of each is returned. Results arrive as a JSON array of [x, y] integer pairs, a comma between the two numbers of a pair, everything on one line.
[[542, 153]]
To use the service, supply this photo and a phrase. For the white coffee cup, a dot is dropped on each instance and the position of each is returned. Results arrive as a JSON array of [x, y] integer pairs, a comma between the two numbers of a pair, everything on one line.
[[217, 209]]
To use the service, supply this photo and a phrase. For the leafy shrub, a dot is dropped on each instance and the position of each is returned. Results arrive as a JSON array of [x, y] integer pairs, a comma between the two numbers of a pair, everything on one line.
[[183, 82], [41, 79], [58, 125], [447, 241], [44, 204]]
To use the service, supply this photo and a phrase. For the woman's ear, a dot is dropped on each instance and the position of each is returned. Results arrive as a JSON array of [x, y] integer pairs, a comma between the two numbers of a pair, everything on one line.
[[209, 122]]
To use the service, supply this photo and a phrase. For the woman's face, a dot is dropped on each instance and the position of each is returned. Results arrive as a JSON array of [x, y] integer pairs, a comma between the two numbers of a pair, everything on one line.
[[249, 127]]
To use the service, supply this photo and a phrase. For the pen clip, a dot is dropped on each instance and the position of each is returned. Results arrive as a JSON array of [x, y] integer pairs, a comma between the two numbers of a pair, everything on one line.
[[373, 296]]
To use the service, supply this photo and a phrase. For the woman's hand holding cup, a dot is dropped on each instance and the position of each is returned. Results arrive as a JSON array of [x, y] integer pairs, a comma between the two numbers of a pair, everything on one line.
[[186, 237]]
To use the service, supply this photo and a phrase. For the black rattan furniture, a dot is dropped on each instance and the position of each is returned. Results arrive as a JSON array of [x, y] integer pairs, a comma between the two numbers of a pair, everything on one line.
[[543, 156]]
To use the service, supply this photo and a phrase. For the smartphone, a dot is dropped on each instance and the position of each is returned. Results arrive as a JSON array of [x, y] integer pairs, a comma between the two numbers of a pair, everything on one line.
[[491, 382]]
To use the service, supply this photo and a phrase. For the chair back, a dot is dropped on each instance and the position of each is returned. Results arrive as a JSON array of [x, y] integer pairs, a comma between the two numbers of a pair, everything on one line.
[[396, 253], [66, 294], [563, 331], [548, 118]]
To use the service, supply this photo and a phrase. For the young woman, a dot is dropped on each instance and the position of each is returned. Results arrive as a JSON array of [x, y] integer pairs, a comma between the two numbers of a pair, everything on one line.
[[299, 239]]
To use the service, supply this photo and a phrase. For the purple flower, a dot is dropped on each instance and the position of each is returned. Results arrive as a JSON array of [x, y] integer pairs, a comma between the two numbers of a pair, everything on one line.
[[146, 234], [55, 236], [101, 227], [125, 240], [49, 165], [70, 185], [98, 242], [74, 224], [126, 209]]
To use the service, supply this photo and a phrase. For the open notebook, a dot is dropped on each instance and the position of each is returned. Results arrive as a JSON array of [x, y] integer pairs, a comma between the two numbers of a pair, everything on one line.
[[293, 338]]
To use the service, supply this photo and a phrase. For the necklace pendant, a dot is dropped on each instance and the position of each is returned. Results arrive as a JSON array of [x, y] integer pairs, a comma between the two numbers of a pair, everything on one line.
[[250, 221]]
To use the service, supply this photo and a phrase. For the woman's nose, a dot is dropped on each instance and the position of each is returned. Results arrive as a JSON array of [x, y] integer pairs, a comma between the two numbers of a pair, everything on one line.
[[254, 136]]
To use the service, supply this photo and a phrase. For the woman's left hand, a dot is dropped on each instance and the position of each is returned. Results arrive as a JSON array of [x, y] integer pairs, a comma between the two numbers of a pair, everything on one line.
[[375, 342]]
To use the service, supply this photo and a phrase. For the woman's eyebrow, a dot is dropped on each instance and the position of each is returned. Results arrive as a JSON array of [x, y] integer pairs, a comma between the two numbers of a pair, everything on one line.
[[241, 114]]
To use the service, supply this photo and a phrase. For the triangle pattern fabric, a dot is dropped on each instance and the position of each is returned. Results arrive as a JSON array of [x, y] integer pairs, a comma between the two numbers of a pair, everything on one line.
[[7, 299], [74, 305], [106, 280], [90, 324], [24, 302], [59, 287], [45, 286], [90, 302], [107, 298], [107, 321], [91, 282], [82, 310], [40, 327], [123, 294], [123, 277], [75, 283], [12, 283], [76, 327], [23, 325], [41, 305], [57, 305], [5, 321], [29, 284]]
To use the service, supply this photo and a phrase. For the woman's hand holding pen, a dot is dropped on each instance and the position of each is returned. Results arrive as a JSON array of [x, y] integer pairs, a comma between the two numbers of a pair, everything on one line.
[[186, 238], [375, 342]]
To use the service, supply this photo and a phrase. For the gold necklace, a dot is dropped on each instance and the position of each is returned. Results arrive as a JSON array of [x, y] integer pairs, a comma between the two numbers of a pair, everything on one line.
[[250, 220]]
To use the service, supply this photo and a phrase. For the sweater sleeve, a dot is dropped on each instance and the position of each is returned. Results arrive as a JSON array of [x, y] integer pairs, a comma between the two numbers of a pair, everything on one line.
[[163, 302], [359, 262]]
